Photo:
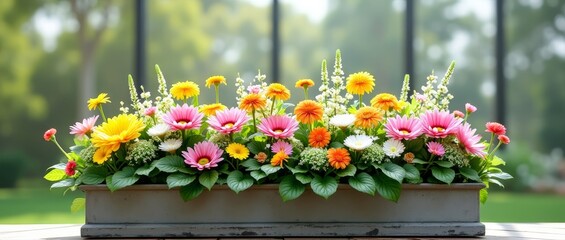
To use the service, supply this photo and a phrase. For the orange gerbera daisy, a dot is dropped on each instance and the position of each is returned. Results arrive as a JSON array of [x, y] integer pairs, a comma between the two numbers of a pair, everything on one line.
[[308, 111], [279, 159], [319, 137], [386, 102], [338, 158], [304, 83], [278, 91], [360, 83], [367, 117], [252, 102]]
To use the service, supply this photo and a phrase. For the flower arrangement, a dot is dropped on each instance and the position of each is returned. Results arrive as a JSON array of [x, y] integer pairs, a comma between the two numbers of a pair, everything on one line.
[[334, 138]]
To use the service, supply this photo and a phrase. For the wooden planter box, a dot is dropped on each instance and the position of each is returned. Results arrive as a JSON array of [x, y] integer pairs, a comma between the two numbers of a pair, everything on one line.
[[156, 211]]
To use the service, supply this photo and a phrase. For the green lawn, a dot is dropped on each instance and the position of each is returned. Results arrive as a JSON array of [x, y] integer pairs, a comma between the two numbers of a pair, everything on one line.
[[39, 205]]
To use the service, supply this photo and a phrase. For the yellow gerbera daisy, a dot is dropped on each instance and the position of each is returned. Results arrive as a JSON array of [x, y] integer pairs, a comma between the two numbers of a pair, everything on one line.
[[237, 151], [210, 109], [109, 136], [278, 91], [215, 80], [185, 90], [304, 83], [386, 102], [360, 83], [93, 103]]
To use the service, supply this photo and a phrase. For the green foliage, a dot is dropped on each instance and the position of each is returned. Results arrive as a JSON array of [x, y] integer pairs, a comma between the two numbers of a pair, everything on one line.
[[238, 182], [363, 182], [290, 188], [324, 186]]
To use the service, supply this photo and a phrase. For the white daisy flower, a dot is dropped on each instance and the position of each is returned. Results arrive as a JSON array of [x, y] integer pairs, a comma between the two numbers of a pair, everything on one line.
[[158, 130], [170, 145], [393, 148], [342, 120], [358, 142]]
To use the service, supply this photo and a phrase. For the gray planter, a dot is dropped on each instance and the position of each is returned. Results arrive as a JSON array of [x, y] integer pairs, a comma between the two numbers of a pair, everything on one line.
[[156, 211]]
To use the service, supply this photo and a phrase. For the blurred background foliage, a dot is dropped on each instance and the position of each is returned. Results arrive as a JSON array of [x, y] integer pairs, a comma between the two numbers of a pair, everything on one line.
[[55, 54]]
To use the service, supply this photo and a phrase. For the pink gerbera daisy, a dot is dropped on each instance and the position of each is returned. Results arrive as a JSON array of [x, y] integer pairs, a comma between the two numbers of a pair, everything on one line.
[[439, 124], [469, 140], [183, 117], [204, 155], [81, 129], [282, 146], [403, 128], [279, 126], [436, 148], [228, 121], [496, 128]]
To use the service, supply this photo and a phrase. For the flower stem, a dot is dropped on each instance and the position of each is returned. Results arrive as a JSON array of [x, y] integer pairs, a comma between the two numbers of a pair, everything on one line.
[[305, 93], [273, 106], [60, 148], [360, 100], [217, 88], [102, 113], [254, 121]]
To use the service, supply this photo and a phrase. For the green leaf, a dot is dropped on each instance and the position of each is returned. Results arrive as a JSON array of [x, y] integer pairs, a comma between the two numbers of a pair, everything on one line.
[[412, 173], [297, 169], [324, 186], [336, 145], [179, 180], [363, 182], [191, 191], [55, 175], [393, 171], [290, 188], [495, 181], [419, 161], [445, 164], [208, 178], [270, 169], [501, 175], [483, 195], [61, 166], [251, 164], [93, 175], [258, 175], [170, 163], [125, 177], [145, 170], [110, 184], [470, 174], [445, 175], [387, 187], [349, 171], [77, 204], [63, 183], [303, 178], [496, 161], [256, 147], [239, 182]]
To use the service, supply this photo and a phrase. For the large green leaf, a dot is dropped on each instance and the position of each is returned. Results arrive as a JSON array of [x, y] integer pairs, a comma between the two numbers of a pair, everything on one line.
[[170, 163], [191, 191], [251, 164], [387, 187], [349, 171], [363, 182], [145, 170], [93, 175], [208, 178], [257, 175], [77, 204], [324, 186], [445, 164], [500, 175], [445, 175], [303, 178], [55, 175], [238, 182], [256, 147], [470, 174], [179, 180], [496, 161], [269, 169], [297, 169], [412, 173], [125, 177], [64, 183], [393, 171], [290, 188], [483, 195]]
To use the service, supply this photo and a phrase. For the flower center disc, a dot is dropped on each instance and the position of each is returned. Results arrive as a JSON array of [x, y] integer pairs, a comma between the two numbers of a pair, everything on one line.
[[203, 161], [228, 125], [278, 131], [438, 129]]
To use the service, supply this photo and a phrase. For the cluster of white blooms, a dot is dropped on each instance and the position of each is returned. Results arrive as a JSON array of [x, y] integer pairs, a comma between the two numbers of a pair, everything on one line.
[[330, 97], [438, 97], [123, 108], [257, 85], [443, 95]]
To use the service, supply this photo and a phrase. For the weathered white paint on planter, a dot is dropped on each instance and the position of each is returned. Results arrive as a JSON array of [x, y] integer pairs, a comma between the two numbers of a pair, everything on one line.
[[156, 211]]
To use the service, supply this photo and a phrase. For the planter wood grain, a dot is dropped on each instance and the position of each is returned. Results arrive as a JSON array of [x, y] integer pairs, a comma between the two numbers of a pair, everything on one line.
[[156, 211]]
